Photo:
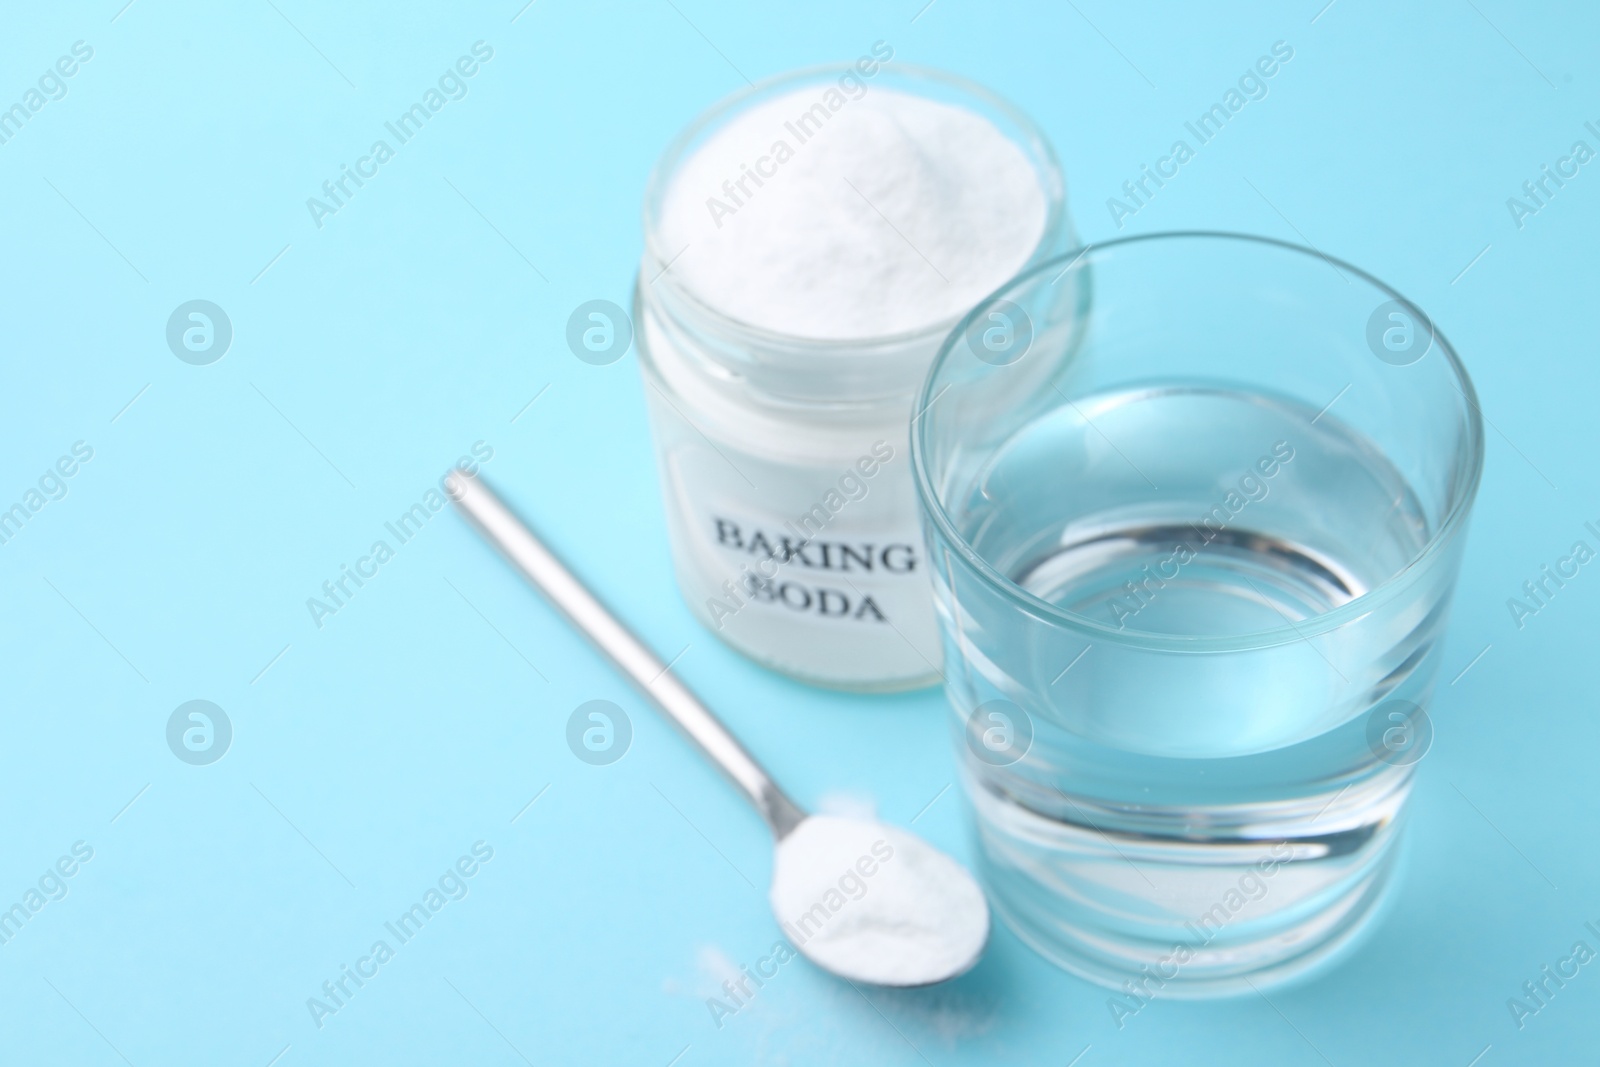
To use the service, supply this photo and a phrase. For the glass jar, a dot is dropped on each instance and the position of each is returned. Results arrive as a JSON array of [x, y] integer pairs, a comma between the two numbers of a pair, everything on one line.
[[785, 460]]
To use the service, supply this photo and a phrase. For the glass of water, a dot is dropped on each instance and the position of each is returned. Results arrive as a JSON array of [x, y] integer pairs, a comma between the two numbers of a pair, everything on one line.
[[1195, 504]]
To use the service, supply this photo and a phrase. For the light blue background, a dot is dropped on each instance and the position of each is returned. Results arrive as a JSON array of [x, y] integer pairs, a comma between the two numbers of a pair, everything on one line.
[[423, 718]]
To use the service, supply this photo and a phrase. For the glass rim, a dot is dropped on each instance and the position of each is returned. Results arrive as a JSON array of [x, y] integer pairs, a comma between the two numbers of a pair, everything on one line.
[[1037, 146], [1316, 625]]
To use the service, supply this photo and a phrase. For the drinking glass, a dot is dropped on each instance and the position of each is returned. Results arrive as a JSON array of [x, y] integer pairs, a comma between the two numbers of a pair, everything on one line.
[[1195, 504]]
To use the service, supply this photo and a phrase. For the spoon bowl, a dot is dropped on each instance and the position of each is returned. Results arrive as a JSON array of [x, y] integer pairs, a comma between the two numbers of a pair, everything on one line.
[[875, 903]]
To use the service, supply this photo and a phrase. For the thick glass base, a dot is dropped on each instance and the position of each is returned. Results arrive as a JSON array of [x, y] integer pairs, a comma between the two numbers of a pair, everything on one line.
[[1186, 914]]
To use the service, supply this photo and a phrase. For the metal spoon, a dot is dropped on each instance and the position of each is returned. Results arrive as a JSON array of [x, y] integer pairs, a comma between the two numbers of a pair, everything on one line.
[[919, 917]]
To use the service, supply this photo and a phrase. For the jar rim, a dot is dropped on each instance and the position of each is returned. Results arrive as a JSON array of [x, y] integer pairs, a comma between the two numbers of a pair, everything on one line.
[[1454, 518], [1041, 154]]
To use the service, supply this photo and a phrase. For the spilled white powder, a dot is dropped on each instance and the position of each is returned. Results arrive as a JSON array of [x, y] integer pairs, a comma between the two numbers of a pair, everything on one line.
[[877, 904], [894, 214]]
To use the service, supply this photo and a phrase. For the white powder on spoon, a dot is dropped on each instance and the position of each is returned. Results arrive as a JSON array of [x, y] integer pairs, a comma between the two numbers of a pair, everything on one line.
[[895, 213], [876, 904]]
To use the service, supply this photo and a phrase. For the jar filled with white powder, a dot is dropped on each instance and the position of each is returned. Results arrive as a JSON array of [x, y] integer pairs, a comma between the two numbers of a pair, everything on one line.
[[809, 242]]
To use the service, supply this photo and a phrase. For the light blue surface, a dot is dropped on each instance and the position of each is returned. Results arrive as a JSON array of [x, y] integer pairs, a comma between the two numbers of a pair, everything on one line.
[[424, 716]]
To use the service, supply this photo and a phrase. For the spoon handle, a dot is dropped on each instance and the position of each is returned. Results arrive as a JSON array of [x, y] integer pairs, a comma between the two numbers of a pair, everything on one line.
[[501, 528]]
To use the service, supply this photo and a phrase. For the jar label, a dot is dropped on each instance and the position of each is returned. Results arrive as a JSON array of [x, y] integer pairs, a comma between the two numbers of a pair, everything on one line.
[[813, 569], [825, 577]]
